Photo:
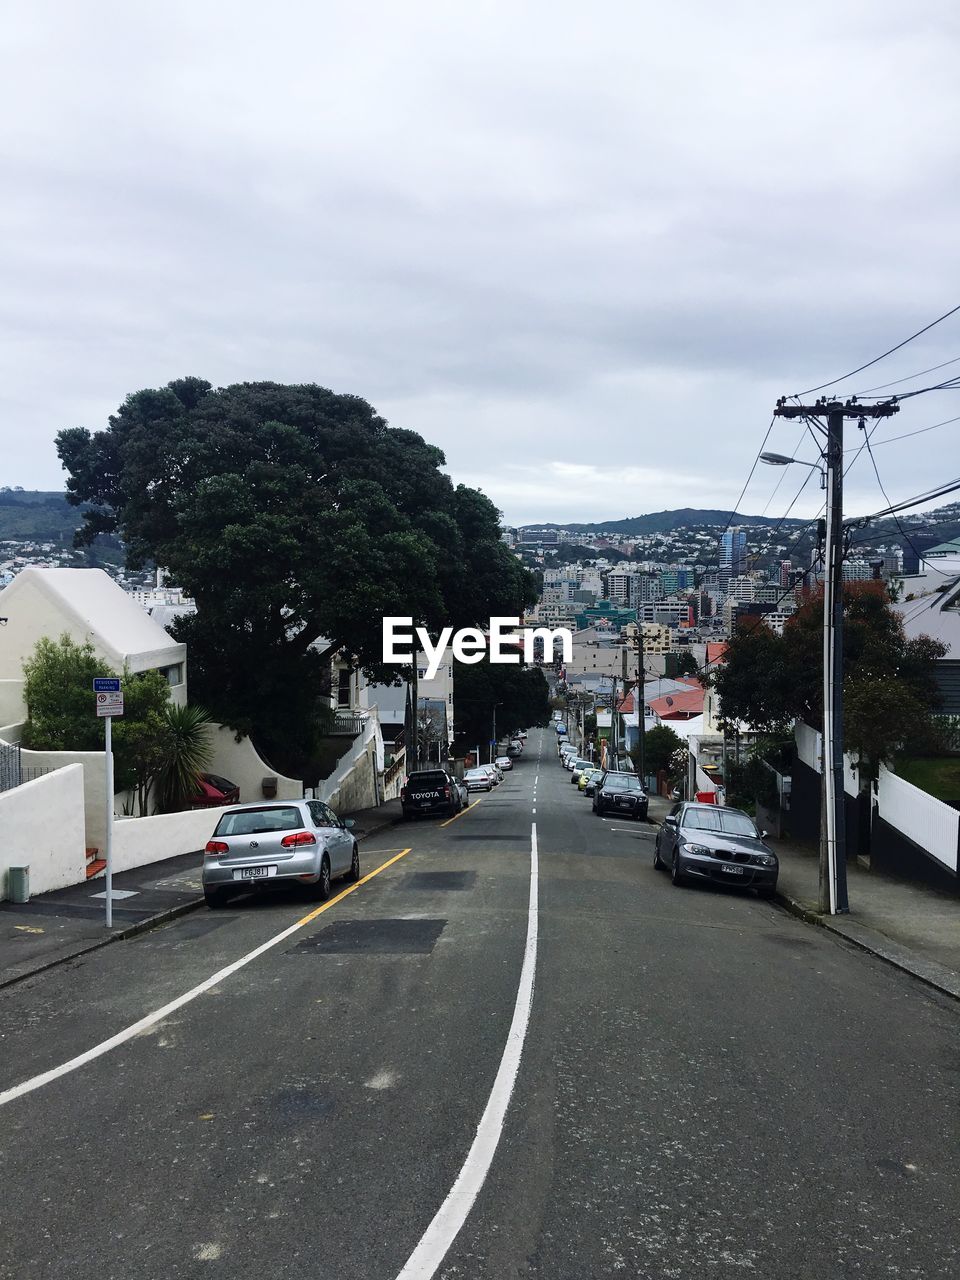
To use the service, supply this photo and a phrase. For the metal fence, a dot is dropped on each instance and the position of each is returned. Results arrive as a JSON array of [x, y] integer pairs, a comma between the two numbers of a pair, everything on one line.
[[10, 772]]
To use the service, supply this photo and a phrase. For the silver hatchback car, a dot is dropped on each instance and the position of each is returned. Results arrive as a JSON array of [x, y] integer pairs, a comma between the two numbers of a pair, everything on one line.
[[279, 843]]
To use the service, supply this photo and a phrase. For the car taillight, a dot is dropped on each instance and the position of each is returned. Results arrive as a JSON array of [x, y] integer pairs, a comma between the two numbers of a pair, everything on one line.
[[403, 793], [446, 793], [213, 848], [299, 837]]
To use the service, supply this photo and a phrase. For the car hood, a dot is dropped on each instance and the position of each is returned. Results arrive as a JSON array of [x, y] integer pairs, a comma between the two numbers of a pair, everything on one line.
[[725, 843]]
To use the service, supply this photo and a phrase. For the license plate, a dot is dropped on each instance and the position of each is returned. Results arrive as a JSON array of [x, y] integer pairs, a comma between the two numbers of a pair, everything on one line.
[[253, 873], [732, 871]]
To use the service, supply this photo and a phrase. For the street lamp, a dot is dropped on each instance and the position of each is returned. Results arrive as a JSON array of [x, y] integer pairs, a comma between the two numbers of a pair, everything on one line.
[[781, 460]]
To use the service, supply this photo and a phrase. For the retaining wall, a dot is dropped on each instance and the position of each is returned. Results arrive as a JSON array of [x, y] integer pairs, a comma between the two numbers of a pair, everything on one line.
[[41, 826]]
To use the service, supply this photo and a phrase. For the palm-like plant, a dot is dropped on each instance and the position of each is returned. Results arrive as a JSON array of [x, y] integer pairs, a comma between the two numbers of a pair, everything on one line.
[[178, 777]]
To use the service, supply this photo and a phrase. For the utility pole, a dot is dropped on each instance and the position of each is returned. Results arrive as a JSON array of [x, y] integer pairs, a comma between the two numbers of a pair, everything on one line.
[[641, 718], [414, 742], [833, 850]]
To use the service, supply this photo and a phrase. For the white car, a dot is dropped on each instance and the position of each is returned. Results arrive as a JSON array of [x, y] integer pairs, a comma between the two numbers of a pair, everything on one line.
[[504, 762], [478, 780]]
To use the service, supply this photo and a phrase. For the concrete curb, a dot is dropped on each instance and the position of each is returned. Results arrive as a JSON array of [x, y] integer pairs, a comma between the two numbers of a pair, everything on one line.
[[927, 971], [130, 931]]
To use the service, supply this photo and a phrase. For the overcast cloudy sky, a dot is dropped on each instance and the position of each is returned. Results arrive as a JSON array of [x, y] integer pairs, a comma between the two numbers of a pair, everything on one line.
[[582, 247]]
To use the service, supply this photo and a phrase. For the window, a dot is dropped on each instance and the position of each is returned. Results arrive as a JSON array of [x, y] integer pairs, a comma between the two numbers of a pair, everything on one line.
[[343, 687], [251, 822], [172, 674]]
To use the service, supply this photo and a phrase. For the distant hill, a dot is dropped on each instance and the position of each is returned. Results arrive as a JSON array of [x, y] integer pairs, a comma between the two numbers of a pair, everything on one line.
[[668, 521], [36, 514]]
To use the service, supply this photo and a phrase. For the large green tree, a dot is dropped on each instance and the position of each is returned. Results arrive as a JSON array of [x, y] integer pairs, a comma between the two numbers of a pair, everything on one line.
[[889, 686], [519, 693], [292, 515]]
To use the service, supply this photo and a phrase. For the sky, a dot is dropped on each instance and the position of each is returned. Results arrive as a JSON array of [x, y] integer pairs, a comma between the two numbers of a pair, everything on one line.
[[582, 248]]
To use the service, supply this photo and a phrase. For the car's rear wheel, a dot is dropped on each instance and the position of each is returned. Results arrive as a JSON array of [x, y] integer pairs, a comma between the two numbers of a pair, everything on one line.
[[658, 862], [321, 890], [215, 898], [354, 875]]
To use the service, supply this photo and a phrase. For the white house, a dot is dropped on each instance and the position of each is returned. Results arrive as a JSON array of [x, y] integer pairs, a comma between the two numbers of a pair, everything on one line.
[[86, 605]]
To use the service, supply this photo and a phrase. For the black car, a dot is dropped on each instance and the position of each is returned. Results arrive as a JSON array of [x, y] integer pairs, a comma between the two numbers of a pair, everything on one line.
[[709, 842], [430, 791], [621, 793]]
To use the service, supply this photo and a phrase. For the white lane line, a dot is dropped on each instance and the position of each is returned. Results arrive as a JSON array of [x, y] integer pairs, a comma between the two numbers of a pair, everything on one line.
[[534, 811], [452, 1214], [158, 1015]]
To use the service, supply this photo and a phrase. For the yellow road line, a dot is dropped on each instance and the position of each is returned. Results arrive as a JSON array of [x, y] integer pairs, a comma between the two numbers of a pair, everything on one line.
[[460, 814], [332, 902]]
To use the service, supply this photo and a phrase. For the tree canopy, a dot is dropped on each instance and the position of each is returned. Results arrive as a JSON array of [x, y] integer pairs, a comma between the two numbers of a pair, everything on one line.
[[889, 687], [291, 514], [521, 695]]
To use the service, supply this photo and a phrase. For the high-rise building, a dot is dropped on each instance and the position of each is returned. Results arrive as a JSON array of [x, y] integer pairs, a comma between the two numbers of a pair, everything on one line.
[[785, 567], [733, 552]]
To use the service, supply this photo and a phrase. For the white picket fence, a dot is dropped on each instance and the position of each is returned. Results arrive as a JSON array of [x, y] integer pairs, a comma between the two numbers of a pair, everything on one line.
[[922, 818]]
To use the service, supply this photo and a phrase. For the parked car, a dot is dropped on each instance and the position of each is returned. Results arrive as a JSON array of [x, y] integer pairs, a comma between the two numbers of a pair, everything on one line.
[[495, 774], [621, 793], [214, 791], [504, 763], [515, 744], [478, 780], [462, 791], [579, 766], [429, 791], [593, 781], [280, 842], [561, 729], [707, 842], [586, 775]]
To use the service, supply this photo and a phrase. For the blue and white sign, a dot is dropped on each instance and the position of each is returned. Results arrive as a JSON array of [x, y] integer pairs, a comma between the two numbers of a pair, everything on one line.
[[106, 684]]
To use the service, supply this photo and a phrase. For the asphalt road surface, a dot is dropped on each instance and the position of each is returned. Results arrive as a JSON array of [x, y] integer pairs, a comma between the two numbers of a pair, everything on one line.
[[439, 1074]]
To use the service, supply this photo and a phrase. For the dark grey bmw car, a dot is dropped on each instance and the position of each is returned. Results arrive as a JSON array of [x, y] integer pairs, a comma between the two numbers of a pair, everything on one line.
[[708, 842]]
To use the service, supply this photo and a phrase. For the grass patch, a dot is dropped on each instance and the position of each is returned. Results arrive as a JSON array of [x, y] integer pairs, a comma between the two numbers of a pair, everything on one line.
[[937, 775]]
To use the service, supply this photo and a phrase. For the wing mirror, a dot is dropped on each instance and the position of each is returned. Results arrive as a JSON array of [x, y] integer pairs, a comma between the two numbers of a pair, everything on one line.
[[764, 834], [670, 820], [348, 823]]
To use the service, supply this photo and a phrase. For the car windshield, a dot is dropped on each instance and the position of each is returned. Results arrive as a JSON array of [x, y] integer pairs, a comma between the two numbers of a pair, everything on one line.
[[729, 821], [251, 822], [621, 782]]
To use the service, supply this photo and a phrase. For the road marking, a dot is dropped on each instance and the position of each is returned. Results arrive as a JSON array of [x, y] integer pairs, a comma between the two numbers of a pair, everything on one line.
[[461, 813], [534, 811], [151, 1019], [452, 1214]]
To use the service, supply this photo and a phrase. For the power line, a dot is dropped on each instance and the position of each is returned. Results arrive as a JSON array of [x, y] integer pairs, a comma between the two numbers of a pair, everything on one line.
[[907, 434], [753, 468], [876, 360], [909, 378]]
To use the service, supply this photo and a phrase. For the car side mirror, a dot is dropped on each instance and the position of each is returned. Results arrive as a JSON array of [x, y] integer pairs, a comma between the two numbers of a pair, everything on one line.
[[348, 823], [670, 820], [764, 834]]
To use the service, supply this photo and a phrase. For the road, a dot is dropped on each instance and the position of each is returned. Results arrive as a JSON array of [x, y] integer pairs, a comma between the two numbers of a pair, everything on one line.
[[700, 1086]]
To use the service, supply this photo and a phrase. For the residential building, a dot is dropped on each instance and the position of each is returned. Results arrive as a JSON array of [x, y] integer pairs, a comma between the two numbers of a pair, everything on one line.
[[733, 552]]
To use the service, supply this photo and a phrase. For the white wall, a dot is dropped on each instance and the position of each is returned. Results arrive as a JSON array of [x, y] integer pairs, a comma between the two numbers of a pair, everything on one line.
[[12, 705], [42, 827], [355, 782], [921, 817], [240, 763], [94, 785], [139, 841]]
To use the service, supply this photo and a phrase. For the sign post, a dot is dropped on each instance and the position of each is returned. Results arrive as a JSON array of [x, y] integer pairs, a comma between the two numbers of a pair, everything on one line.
[[109, 704]]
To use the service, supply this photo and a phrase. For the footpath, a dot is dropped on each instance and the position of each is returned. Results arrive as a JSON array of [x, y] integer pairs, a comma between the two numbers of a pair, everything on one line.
[[57, 927], [911, 925]]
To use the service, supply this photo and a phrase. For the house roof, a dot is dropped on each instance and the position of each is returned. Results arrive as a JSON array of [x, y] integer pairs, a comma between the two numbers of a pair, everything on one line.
[[92, 606], [679, 705], [936, 615], [715, 651]]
